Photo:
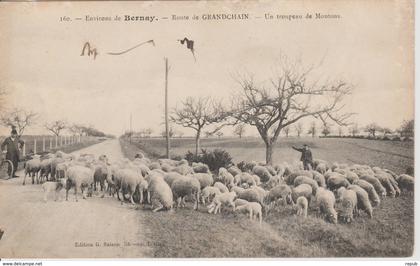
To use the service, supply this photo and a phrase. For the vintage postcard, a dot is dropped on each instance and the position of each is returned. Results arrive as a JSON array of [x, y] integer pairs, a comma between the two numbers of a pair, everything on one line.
[[207, 129]]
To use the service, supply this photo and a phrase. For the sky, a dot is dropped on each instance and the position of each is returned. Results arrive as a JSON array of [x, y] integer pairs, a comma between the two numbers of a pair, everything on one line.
[[370, 46]]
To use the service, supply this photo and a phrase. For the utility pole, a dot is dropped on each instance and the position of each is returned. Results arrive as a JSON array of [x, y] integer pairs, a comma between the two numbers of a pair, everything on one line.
[[168, 145]]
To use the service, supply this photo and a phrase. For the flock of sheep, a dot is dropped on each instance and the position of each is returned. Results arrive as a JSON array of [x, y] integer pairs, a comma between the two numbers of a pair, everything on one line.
[[337, 191]]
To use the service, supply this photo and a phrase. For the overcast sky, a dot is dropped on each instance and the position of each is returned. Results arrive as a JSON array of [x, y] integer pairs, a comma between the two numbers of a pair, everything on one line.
[[371, 46]]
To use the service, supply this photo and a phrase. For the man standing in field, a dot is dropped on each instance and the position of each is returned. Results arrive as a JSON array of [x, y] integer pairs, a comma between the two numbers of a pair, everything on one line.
[[12, 145], [306, 156]]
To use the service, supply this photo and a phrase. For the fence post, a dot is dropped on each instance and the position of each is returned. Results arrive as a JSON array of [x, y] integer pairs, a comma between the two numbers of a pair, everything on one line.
[[24, 150], [50, 143], [34, 145], [56, 141], [61, 140], [43, 143]]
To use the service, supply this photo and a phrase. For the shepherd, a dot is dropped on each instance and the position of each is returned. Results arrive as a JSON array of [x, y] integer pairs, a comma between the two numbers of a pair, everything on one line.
[[306, 156], [12, 144]]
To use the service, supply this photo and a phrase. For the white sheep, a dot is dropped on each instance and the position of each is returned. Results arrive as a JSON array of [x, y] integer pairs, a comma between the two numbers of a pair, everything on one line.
[[373, 196], [79, 177], [375, 183], [221, 187], [306, 180], [205, 179], [325, 202], [32, 168], [225, 177], [348, 204], [130, 181], [302, 190], [208, 193], [406, 182], [363, 202], [226, 198], [262, 172], [161, 196], [186, 186], [55, 187], [253, 208]]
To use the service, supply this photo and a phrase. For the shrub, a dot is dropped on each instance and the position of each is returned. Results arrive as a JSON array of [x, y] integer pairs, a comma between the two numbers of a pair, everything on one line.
[[214, 159]]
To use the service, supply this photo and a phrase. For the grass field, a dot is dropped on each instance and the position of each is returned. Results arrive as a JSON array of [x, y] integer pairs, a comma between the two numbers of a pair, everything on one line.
[[188, 233]]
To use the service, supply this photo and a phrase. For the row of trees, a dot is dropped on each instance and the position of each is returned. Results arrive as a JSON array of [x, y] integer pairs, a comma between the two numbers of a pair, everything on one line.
[[21, 119]]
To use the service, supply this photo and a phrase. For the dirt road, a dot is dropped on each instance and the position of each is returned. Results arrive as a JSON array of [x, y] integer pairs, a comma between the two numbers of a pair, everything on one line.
[[96, 227]]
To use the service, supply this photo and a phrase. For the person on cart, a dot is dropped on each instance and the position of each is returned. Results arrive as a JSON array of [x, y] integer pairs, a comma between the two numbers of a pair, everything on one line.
[[11, 147]]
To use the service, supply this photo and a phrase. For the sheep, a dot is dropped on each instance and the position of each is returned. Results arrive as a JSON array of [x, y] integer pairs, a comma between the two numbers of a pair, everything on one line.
[[130, 181], [100, 174], [183, 169], [171, 177], [32, 168], [60, 170], [302, 206], [204, 179], [234, 171], [78, 177], [221, 187], [271, 170], [56, 161], [387, 181], [348, 204], [262, 172], [325, 201], [336, 180], [246, 178], [274, 181], [291, 178], [406, 182], [321, 168], [351, 176], [320, 179], [257, 180], [375, 183], [240, 202], [45, 169], [306, 180], [373, 196], [303, 190], [55, 187], [161, 196], [208, 193], [253, 208], [166, 167], [200, 168], [225, 198], [225, 177], [317, 162], [154, 165], [252, 194], [168, 162], [186, 186], [363, 202], [283, 192]]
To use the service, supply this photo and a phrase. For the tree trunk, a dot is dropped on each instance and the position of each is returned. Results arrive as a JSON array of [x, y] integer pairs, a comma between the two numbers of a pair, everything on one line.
[[269, 153], [197, 143]]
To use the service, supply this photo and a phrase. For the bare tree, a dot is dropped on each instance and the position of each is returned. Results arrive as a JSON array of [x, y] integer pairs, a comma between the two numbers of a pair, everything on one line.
[[56, 126], [326, 130], [76, 129], [289, 98], [407, 128], [354, 129], [219, 134], [299, 129], [312, 129], [197, 114], [239, 130], [386, 131], [171, 133], [286, 131], [19, 119], [372, 128], [147, 132]]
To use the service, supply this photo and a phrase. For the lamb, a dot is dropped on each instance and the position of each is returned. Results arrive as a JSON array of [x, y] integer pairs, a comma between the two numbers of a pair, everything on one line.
[[363, 202], [306, 180], [55, 187], [373, 196], [186, 186], [336, 180], [225, 177], [406, 182], [303, 190], [348, 201], [200, 168], [78, 177], [375, 183], [221, 187], [302, 206], [325, 201], [161, 195], [320, 179], [226, 198], [253, 208], [208, 193], [32, 168], [262, 172], [204, 179]]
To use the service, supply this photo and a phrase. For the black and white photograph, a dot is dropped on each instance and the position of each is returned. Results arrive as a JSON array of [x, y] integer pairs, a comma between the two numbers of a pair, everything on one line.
[[207, 130]]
